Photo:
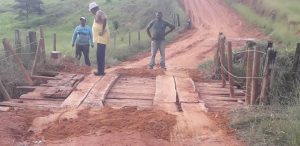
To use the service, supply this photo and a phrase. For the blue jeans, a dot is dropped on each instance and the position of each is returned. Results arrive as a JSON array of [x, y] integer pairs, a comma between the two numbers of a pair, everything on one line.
[[85, 50], [155, 46], [101, 58]]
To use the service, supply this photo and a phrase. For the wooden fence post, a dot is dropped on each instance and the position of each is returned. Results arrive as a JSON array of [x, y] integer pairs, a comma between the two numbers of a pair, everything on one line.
[[271, 56], [255, 73], [178, 20], [54, 42], [222, 59], [8, 47], [43, 47], [296, 59], [115, 39], [249, 72], [37, 54], [4, 92], [18, 42], [33, 42], [231, 81], [129, 39], [139, 39]]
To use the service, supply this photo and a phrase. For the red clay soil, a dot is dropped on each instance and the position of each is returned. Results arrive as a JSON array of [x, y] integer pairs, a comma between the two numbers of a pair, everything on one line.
[[157, 124], [15, 124]]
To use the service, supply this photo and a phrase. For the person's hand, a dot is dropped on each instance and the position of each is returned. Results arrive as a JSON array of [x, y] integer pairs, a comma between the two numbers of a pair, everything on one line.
[[92, 45], [72, 45]]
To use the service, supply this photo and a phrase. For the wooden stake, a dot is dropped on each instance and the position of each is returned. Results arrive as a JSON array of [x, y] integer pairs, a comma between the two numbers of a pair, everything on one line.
[[4, 92], [129, 39], [33, 42], [9, 48], [37, 54], [178, 20], [255, 73], [18, 42], [115, 39], [296, 59], [139, 39], [222, 59], [231, 81], [43, 47], [271, 56], [249, 72], [54, 42]]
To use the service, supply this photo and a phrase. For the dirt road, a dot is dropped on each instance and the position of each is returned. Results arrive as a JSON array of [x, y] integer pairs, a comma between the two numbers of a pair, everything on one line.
[[193, 126]]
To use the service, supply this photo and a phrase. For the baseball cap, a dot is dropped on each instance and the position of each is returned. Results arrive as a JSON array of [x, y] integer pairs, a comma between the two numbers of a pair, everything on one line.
[[82, 18], [93, 5]]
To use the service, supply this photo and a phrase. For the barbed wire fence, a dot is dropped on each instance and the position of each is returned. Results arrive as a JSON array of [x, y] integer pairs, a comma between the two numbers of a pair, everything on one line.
[[258, 64]]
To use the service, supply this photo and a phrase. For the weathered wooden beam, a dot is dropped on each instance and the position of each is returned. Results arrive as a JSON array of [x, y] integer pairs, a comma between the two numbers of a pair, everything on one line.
[[44, 78], [4, 91], [249, 71], [18, 61], [230, 69], [255, 73], [271, 56]]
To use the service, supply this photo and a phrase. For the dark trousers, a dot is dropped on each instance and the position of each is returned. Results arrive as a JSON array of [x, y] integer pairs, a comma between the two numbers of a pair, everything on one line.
[[101, 58], [85, 49]]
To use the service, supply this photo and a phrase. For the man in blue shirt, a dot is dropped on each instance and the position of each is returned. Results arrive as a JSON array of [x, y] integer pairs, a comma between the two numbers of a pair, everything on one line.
[[83, 38]]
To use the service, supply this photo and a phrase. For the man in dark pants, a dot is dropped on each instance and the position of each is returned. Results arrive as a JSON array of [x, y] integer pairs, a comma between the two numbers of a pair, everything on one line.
[[101, 36], [157, 36], [83, 38]]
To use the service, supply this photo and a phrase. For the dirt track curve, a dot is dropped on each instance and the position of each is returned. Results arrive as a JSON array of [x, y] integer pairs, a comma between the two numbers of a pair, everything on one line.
[[194, 126]]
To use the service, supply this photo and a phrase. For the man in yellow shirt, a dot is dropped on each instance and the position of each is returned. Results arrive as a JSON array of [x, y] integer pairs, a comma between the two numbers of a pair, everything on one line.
[[100, 35]]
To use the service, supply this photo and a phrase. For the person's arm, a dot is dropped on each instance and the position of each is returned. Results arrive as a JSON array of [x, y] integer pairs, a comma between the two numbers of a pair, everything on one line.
[[101, 18], [148, 29], [74, 36], [91, 37], [172, 27]]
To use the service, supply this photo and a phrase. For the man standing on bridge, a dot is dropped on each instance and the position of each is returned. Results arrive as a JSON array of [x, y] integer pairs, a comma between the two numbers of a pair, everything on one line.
[[101, 36], [157, 36]]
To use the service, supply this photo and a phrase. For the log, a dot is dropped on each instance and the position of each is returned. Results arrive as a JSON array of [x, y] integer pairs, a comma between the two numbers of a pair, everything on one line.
[[230, 69], [222, 59], [18, 61], [255, 73], [249, 72], [4, 92]]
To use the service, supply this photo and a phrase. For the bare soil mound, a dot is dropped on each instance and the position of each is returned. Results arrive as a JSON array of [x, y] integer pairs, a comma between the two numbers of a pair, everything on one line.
[[155, 123]]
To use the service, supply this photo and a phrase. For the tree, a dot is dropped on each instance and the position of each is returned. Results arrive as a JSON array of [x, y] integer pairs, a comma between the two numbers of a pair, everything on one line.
[[28, 7]]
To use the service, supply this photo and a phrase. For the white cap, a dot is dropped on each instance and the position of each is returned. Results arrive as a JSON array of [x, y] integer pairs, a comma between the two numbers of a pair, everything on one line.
[[93, 5], [82, 18]]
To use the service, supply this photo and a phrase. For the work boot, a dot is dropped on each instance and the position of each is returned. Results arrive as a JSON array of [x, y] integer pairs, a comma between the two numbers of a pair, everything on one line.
[[150, 67]]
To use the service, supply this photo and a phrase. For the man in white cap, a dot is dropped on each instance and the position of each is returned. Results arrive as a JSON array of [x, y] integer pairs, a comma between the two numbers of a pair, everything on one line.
[[101, 36], [83, 38]]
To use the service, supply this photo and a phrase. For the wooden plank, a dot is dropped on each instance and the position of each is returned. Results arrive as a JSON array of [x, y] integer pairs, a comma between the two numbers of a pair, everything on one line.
[[82, 90], [129, 96], [31, 103], [26, 87], [119, 103], [185, 90], [57, 92], [133, 90], [165, 90], [98, 94], [4, 109]]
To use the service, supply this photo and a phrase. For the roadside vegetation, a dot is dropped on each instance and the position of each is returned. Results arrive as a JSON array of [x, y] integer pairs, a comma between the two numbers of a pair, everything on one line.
[[276, 124], [62, 16]]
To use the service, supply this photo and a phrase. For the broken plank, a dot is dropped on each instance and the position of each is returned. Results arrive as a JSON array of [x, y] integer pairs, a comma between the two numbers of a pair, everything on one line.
[[82, 91], [99, 92], [185, 90], [44, 78], [57, 92], [165, 90], [26, 87]]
